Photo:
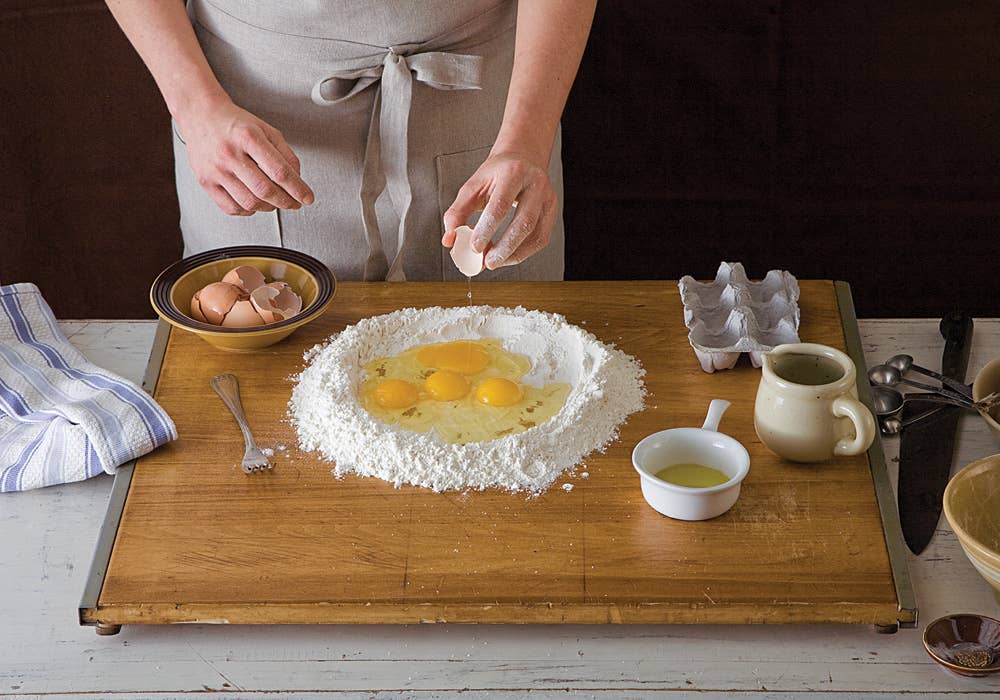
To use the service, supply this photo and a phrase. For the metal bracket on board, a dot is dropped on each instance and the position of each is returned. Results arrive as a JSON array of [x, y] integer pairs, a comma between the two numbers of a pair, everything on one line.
[[116, 501], [880, 474]]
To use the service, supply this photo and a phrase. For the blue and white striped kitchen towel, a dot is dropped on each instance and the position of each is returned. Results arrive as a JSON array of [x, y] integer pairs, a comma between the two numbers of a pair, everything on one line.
[[62, 418]]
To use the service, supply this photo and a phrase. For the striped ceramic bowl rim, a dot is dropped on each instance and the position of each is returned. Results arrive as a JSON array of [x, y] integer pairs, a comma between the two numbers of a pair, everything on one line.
[[159, 293]]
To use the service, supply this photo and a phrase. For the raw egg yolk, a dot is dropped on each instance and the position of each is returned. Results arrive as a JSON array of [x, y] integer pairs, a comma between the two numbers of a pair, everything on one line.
[[462, 356], [396, 393], [499, 392], [445, 385]]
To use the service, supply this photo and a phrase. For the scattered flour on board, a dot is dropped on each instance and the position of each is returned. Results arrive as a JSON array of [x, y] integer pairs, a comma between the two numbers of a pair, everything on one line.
[[325, 409]]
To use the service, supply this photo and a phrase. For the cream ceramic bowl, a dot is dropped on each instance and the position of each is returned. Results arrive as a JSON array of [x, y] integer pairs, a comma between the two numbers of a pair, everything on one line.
[[172, 290], [972, 506], [987, 381], [705, 445]]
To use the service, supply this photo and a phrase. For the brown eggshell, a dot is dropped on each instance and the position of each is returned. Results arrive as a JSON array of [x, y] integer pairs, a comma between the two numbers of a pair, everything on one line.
[[196, 308], [242, 315], [276, 302], [245, 277], [217, 299], [287, 299]]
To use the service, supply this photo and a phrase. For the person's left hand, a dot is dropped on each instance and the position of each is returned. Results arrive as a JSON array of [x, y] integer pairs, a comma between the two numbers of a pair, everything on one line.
[[505, 180]]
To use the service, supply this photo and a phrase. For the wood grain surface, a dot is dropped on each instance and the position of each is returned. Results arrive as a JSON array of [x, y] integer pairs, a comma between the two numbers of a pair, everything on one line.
[[201, 541]]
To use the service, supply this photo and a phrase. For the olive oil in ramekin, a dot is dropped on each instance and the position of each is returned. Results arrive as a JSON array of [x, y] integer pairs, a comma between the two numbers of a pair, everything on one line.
[[692, 475]]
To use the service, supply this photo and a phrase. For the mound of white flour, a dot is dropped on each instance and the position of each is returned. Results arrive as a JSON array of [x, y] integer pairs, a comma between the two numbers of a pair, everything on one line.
[[327, 412]]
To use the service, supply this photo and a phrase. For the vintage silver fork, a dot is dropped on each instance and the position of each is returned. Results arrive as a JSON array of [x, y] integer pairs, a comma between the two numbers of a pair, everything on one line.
[[228, 389]]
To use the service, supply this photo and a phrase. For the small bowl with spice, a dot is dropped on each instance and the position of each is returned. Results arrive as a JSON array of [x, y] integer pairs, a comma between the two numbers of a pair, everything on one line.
[[692, 473], [243, 298], [968, 645]]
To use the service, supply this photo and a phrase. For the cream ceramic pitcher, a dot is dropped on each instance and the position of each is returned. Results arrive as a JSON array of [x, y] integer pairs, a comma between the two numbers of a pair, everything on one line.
[[807, 407]]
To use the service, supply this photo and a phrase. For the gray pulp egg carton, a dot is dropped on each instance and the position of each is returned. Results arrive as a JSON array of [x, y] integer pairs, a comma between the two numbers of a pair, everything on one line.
[[733, 315]]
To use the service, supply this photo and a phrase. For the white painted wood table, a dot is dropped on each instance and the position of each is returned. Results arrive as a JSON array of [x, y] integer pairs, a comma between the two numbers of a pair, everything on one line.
[[47, 537]]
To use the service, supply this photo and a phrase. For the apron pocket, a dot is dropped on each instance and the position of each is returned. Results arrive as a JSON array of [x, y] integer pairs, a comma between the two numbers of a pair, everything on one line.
[[453, 171]]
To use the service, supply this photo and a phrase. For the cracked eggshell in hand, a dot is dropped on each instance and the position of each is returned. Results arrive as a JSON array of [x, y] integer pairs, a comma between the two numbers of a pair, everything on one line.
[[245, 277], [469, 262], [212, 302], [276, 302]]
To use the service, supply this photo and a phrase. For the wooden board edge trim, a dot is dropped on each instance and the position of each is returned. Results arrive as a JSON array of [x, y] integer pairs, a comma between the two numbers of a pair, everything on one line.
[[891, 528], [119, 493], [531, 613]]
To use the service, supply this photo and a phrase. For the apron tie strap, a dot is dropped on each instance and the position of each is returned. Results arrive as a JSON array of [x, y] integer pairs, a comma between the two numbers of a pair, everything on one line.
[[387, 146]]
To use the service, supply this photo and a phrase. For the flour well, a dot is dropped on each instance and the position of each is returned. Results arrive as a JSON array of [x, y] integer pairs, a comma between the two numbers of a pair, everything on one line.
[[329, 418]]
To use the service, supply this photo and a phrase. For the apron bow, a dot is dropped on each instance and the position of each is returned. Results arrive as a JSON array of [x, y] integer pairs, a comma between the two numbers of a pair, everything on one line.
[[387, 146]]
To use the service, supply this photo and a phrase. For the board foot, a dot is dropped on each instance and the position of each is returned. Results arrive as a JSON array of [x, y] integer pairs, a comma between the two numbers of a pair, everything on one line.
[[105, 630], [887, 629]]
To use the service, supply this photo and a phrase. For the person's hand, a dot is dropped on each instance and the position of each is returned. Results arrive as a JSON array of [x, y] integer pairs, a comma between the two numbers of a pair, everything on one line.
[[242, 162], [505, 180]]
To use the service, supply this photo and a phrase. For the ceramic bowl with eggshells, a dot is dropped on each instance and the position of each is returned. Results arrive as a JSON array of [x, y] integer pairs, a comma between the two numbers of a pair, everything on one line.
[[987, 381], [243, 298]]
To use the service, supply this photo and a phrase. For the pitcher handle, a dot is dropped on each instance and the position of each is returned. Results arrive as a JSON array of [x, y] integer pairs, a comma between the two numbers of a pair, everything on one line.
[[864, 426]]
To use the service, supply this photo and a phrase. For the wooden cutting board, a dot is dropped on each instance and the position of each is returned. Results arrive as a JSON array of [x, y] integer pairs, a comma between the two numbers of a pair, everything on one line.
[[198, 540]]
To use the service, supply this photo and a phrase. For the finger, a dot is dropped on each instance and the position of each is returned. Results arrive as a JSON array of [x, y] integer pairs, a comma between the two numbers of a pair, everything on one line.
[[279, 171], [467, 201], [243, 196], [263, 187], [226, 203], [448, 240], [277, 140], [538, 240], [501, 200], [529, 211]]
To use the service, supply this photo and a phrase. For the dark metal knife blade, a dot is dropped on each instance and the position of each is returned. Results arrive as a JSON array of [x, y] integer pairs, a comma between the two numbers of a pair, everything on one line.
[[926, 449]]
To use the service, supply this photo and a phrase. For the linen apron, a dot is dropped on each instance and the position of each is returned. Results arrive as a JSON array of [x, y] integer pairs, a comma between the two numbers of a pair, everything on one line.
[[390, 105]]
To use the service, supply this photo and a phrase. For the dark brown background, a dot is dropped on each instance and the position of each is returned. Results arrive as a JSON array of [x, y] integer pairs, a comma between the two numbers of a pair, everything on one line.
[[837, 139]]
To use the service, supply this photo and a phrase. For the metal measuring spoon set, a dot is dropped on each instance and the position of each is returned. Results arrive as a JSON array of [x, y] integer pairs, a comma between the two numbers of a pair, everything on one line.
[[888, 400]]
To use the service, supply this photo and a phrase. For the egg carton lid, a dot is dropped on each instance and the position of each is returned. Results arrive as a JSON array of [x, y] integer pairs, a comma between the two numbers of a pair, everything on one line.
[[732, 315]]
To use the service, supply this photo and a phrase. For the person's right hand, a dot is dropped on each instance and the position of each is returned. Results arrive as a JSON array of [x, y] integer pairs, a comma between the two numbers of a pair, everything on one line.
[[242, 162]]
